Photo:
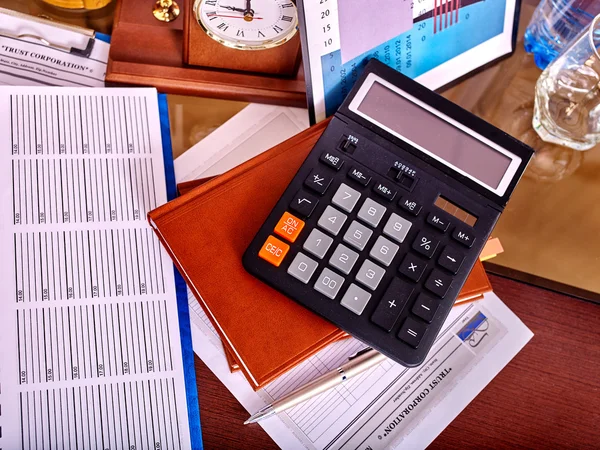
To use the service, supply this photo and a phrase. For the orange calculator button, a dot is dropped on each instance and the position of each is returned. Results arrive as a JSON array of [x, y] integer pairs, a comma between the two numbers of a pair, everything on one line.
[[289, 227], [273, 251]]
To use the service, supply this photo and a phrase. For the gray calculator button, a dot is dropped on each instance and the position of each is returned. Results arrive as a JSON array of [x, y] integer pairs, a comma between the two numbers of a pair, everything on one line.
[[370, 274], [346, 197], [371, 212], [397, 228], [302, 267], [384, 251], [343, 259], [317, 243], [355, 299], [357, 235], [329, 283], [332, 220]]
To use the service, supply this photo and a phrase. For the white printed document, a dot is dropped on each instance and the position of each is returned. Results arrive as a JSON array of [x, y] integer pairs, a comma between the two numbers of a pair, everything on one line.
[[89, 329]]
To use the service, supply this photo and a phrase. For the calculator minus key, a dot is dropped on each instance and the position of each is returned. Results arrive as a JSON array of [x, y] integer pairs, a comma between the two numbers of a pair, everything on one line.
[[304, 203], [335, 162], [359, 176], [273, 251]]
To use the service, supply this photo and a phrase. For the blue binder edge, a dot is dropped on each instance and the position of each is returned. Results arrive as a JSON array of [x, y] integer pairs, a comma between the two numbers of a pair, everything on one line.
[[185, 329], [103, 37]]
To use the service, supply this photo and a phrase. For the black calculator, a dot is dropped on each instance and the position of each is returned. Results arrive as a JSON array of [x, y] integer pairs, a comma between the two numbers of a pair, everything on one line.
[[382, 224]]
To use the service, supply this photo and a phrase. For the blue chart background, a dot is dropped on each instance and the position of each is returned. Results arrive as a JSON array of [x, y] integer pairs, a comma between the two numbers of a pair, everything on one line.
[[477, 23]]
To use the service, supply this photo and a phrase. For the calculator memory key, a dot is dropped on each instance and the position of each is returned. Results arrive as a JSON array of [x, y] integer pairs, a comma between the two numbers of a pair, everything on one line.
[[385, 191], [329, 159], [441, 223]]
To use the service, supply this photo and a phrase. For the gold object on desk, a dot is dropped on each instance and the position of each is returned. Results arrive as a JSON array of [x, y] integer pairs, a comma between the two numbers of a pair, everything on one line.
[[79, 4], [166, 10]]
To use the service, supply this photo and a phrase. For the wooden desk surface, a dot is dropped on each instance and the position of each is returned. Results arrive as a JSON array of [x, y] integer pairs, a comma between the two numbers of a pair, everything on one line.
[[548, 396]]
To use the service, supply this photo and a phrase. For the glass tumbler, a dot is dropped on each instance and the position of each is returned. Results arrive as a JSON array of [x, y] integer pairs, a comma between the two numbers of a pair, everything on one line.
[[567, 94]]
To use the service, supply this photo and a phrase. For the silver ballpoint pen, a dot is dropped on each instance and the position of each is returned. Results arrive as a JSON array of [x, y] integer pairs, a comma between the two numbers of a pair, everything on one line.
[[357, 364]]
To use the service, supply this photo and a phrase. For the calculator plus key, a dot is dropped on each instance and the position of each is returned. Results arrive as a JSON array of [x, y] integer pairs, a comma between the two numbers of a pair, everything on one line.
[[346, 197], [332, 220], [391, 304], [425, 244], [304, 203], [318, 181], [412, 267], [412, 332], [451, 259], [425, 307], [335, 162], [438, 222], [438, 283], [359, 176], [317, 243]]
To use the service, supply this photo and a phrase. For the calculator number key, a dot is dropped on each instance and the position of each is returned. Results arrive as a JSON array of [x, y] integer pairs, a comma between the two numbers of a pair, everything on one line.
[[438, 222], [302, 268], [412, 267], [391, 304], [335, 162], [273, 251], [343, 259], [357, 235], [289, 227], [329, 283], [355, 299], [346, 197], [370, 274], [466, 238], [412, 332], [317, 243], [304, 203], [425, 244], [451, 259], [438, 283], [425, 307], [397, 228], [371, 212], [384, 251], [332, 220], [318, 181]]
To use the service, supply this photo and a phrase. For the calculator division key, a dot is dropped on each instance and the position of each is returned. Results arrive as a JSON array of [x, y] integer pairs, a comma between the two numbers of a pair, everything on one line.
[[273, 251], [335, 162], [412, 332], [438, 222], [304, 203], [397, 228], [383, 251], [370, 274], [318, 181], [371, 212], [302, 267], [332, 220], [317, 243], [425, 244], [355, 299], [410, 205], [412, 267], [357, 235], [451, 259], [385, 191], [343, 259], [289, 227], [425, 307], [346, 197], [329, 283], [391, 304], [438, 283], [359, 176], [463, 236]]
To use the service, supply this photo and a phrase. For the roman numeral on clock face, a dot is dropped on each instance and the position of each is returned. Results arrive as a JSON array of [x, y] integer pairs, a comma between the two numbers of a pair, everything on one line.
[[260, 34], [277, 29], [286, 18], [211, 2], [240, 33], [287, 5], [223, 26], [212, 15]]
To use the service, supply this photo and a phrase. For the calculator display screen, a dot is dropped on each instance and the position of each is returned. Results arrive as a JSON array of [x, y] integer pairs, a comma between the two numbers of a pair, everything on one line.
[[427, 130]]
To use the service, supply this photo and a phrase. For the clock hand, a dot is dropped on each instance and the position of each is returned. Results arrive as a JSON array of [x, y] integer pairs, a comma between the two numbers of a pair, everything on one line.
[[235, 17], [233, 8], [249, 12]]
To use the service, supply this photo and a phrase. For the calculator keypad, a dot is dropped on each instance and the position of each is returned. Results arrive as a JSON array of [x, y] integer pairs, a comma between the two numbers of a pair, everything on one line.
[[397, 228], [370, 274], [346, 197], [357, 235], [329, 283], [302, 267], [317, 243], [371, 212], [332, 220], [355, 299], [384, 251], [343, 259]]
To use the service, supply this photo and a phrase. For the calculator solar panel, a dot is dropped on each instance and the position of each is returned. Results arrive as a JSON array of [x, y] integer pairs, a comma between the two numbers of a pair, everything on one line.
[[383, 222]]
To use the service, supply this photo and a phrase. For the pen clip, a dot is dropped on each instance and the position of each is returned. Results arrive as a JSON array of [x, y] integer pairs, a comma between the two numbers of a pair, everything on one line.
[[358, 353]]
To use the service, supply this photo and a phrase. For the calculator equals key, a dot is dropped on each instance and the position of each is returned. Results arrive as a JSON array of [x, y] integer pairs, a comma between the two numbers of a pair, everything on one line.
[[371, 247]]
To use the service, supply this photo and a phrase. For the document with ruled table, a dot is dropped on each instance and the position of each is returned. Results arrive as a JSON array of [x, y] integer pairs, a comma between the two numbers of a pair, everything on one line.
[[90, 340]]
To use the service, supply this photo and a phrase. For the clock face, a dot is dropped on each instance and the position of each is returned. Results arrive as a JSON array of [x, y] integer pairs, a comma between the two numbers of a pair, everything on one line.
[[248, 24]]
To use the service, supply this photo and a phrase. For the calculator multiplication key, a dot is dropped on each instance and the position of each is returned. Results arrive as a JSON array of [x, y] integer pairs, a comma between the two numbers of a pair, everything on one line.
[[318, 181], [463, 236], [397, 228], [451, 259], [343, 259], [383, 251], [357, 235], [438, 222], [359, 176], [355, 299], [346, 197], [329, 283], [332, 220], [391, 304], [371, 212], [410, 205], [370, 274], [438, 283], [385, 191], [412, 267], [335, 162], [425, 244], [302, 267], [317, 243], [304, 203], [412, 332], [425, 307]]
